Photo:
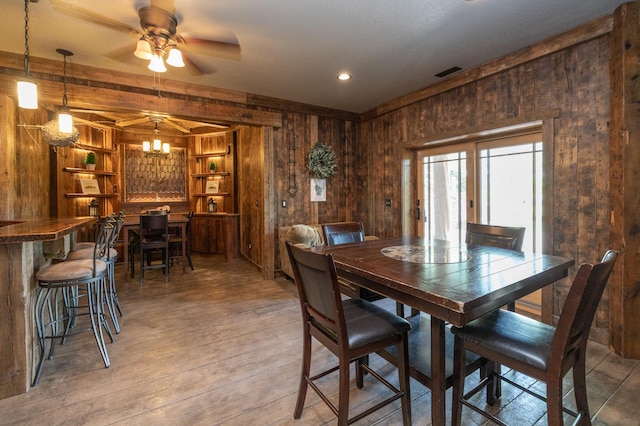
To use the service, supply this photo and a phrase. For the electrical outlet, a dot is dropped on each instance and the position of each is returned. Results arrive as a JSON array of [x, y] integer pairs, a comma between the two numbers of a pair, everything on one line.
[[284, 203], [387, 203]]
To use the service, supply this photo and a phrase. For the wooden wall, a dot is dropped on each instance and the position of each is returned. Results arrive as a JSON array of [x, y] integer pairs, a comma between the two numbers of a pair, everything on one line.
[[573, 82]]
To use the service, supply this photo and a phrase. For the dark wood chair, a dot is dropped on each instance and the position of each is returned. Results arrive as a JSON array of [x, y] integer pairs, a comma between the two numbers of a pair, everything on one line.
[[346, 233], [538, 350], [154, 236], [506, 237], [175, 243], [351, 329], [510, 238]]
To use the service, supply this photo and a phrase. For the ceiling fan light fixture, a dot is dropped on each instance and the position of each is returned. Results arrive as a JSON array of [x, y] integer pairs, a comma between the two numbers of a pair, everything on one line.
[[146, 146], [157, 64], [143, 49], [166, 148], [175, 58]]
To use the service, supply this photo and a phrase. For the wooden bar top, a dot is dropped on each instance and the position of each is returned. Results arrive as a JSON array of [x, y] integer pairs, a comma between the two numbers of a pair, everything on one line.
[[17, 231]]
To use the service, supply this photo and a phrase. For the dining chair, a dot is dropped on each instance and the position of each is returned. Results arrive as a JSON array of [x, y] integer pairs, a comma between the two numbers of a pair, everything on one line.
[[344, 233], [350, 329], [68, 290], [153, 237], [538, 350], [507, 237], [175, 243]]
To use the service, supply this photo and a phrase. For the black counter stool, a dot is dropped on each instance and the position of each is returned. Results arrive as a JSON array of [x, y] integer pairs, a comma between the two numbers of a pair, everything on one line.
[[62, 286]]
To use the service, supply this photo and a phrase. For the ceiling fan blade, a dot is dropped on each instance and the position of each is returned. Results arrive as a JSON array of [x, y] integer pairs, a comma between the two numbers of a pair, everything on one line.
[[177, 126], [78, 120], [125, 55], [94, 18], [201, 46], [131, 121]]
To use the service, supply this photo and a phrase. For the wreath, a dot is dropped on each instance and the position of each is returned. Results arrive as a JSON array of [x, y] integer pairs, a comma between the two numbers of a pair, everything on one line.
[[321, 161]]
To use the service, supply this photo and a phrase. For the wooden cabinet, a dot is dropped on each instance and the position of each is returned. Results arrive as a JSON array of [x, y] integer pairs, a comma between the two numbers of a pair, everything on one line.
[[215, 233], [71, 172]]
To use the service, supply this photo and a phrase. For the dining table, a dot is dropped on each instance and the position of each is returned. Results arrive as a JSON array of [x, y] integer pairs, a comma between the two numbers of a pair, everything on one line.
[[132, 223], [454, 283]]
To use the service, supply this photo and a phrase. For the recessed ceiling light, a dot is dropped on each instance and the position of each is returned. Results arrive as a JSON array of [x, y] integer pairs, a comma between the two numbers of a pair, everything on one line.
[[344, 76]]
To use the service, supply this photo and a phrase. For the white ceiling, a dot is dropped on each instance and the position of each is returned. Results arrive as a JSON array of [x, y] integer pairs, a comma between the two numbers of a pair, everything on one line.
[[293, 49]]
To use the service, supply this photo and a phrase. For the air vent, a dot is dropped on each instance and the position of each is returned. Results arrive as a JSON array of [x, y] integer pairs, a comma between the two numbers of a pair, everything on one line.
[[448, 72]]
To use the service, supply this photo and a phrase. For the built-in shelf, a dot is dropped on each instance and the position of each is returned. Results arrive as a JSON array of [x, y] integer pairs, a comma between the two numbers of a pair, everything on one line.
[[217, 194], [80, 195], [93, 148], [87, 171], [211, 154], [204, 175]]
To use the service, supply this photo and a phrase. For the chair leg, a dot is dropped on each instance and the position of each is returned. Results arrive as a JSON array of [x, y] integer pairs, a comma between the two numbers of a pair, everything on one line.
[[141, 266], [404, 381], [304, 374], [554, 401], [165, 253], [458, 382], [494, 388], [360, 372], [343, 393], [580, 387]]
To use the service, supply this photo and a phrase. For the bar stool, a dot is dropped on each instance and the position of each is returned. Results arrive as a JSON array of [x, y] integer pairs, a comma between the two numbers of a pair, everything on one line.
[[86, 251], [61, 287]]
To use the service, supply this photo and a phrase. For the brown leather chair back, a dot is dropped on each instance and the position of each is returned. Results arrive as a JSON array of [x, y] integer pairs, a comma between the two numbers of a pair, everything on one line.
[[343, 233], [506, 237]]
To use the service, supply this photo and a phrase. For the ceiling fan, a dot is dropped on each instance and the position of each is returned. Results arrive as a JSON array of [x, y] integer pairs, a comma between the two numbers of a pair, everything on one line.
[[157, 39]]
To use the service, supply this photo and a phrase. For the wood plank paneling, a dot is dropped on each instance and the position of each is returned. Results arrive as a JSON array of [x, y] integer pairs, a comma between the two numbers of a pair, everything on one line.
[[569, 81]]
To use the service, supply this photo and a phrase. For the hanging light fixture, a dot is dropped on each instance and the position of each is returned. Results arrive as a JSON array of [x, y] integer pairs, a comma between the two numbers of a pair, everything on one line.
[[27, 89], [156, 147], [65, 120]]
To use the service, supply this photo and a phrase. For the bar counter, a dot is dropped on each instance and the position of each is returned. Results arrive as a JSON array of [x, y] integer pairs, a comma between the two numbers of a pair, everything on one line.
[[25, 247]]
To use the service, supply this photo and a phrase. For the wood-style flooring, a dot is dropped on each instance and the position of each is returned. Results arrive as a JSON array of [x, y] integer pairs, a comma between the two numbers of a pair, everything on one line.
[[219, 345]]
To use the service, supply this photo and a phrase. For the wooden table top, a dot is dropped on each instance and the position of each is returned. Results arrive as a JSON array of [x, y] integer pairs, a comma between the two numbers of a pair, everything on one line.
[[455, 283], [49, 229]]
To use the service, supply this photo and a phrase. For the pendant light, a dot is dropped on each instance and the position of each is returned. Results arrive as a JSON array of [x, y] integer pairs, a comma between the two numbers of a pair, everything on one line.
[[65, 120], [27, 89]]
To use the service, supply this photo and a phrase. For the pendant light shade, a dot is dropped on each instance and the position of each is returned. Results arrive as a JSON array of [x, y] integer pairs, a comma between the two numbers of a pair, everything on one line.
[[65, 122], [27, 89], [27, 94]]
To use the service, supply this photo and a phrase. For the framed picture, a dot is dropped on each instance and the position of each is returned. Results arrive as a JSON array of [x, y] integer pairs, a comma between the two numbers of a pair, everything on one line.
[[318, 190], [89, 186], [212, 187]]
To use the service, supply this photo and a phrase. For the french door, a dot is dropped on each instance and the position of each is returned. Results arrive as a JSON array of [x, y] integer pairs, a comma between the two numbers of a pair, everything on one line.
[[494, 181]]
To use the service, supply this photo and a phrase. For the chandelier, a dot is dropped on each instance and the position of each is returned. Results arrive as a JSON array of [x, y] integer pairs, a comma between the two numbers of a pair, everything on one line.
[[158, 41], [156, 147]]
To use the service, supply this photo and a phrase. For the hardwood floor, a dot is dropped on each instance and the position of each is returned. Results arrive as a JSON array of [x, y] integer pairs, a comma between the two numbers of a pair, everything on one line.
[[219, 345]]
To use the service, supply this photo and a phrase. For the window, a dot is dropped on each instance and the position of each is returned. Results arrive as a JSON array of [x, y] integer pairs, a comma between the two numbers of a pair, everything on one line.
[[503, 187]]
